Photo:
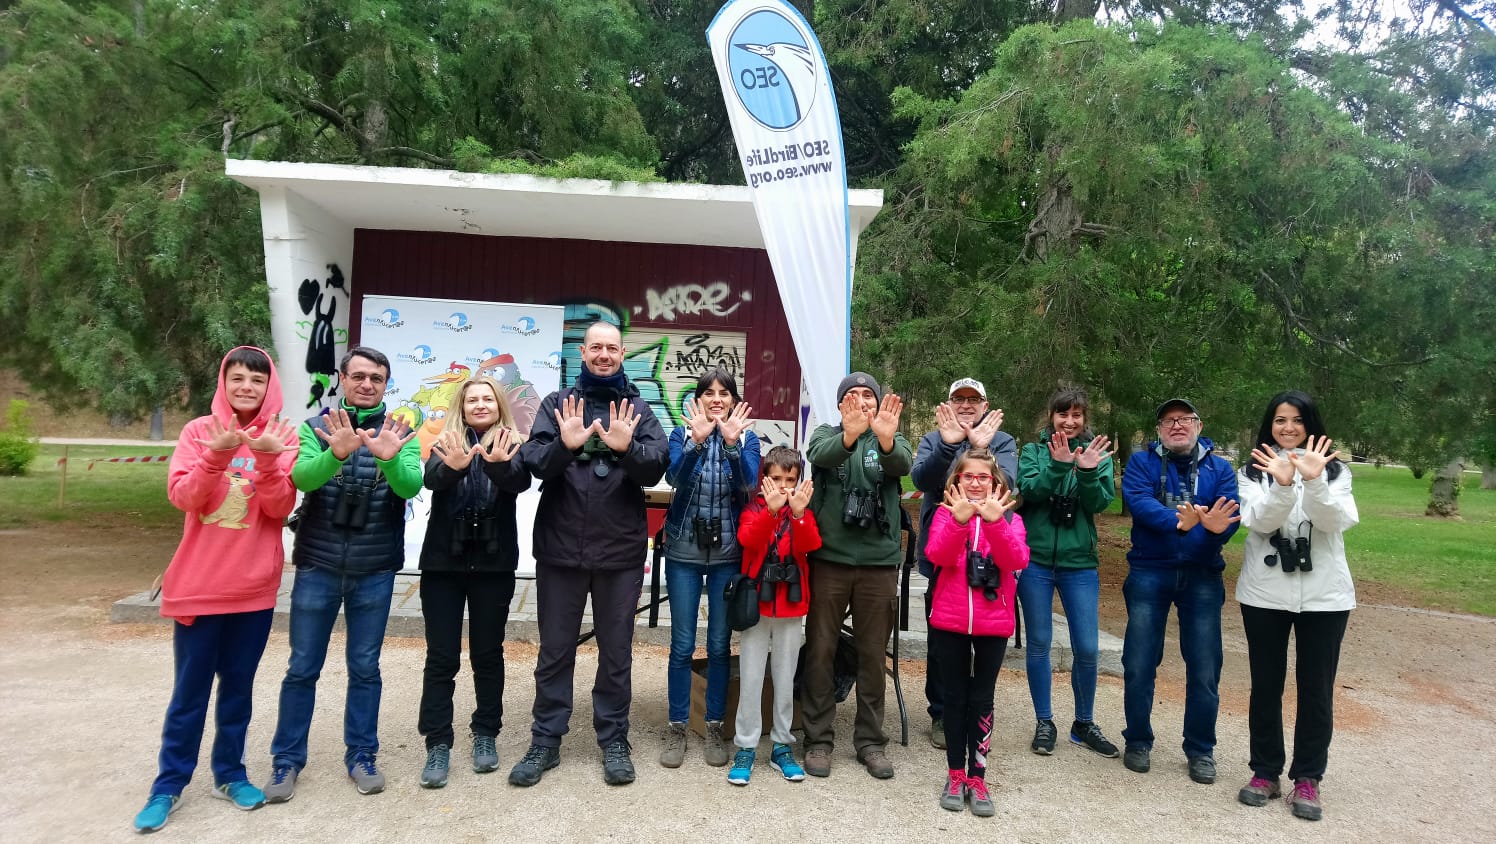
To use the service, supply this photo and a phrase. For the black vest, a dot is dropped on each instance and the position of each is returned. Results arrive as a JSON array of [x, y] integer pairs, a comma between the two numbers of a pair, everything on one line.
[[379, 545]]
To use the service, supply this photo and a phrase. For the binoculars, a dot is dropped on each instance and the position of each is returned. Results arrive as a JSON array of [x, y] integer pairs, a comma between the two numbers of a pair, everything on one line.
[[777, 569], [352, 510], [983, 574], [474, 528], [708, 532], [861, 508], [1293, 554], [1062, 509]]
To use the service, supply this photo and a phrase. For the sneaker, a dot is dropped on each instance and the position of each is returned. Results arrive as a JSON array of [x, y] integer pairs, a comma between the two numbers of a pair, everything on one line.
[[1136, 759], [366, 776], [675, 745], [282, 785], [1304, 799], [242, 794], [1044, 736], [1203, 769], [1087, 734], [953, 796], [981, 801], [438, 761], [782, 759], [876, 762], [818, 761], [1259, 791], [742, 766], [485, 754], [537, 760], [937, 733], [618, 766], [715, 749], [158, 807]]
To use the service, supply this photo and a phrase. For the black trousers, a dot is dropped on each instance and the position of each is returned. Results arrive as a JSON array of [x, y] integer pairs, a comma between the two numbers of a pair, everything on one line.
[[968, 682], [1317, 637], [936, 706], [561, 596], [443, 596]]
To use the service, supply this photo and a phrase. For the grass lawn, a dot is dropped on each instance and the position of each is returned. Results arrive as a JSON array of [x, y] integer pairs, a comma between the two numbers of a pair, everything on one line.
[[108, 490]]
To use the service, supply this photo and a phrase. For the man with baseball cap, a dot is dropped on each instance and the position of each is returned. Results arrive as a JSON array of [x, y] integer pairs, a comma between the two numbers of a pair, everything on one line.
[[962, 422], [855, 467], [1183, 501]]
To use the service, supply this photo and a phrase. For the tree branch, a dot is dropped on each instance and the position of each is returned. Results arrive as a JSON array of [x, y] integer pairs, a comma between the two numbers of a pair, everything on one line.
[[409, 152], [1298, 323]]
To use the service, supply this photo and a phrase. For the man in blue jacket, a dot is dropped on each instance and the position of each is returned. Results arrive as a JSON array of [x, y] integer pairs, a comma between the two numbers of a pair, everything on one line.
[[1183, 501]]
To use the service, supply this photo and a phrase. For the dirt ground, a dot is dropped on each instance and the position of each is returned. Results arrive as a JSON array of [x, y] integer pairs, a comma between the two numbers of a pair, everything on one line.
[[83, 701]]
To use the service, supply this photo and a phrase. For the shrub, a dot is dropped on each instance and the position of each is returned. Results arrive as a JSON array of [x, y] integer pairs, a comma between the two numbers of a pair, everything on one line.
[[17, 447]]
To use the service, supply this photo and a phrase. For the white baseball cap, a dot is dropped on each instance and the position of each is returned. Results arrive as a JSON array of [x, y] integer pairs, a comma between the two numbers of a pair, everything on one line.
[[967, 384]]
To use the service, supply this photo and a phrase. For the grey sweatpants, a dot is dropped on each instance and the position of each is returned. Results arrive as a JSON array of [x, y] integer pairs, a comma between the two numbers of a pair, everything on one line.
[[775, 643]]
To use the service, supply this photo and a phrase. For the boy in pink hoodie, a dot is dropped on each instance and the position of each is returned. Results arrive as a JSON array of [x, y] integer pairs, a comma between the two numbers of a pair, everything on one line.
[[231, 475]]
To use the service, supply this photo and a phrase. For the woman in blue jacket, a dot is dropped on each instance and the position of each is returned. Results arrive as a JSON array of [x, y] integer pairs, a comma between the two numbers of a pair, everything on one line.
[[714, 461]]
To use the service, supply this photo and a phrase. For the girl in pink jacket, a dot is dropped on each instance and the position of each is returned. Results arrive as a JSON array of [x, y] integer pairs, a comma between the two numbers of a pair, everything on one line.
[[976, 543]]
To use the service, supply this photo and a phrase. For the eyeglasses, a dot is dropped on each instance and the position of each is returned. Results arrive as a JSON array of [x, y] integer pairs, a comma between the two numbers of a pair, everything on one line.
[[361, 377], [971, 400], [1178, 422], [972, 477]]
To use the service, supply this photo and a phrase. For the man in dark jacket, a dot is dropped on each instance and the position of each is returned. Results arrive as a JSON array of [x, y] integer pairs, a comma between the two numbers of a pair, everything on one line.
[[855, 468], [594, 447], [357, 467], [963, 422], [1183, 501]]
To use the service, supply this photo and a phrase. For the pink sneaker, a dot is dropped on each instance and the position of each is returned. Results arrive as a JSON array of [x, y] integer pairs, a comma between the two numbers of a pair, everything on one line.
[[981, 802], [953, 796], [1305, 799], [1259, 791]]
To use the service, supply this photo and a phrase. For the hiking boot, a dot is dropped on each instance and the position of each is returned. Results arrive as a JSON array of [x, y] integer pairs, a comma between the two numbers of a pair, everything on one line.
[[675, 745], [158, 807], [485, 754], [953, 796], [1044, 737], [937, 733], [366, 776], [282, 785], [1087, 734], [818, 761], [536, 761], [438, 761], [1304, 799], [782, 759], [1203, 769], [242, 794], [742, 766], [618, 764], [1136, 759], [715, 750], [981, 801], [876, 762], [1259, 791]]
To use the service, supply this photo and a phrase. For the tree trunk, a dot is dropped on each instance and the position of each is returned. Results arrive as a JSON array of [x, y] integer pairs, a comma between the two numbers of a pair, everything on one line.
[[158, 423], [1444, 492], [1488, 476]]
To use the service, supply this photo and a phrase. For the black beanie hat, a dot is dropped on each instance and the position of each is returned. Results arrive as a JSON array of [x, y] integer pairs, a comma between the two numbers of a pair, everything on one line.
[[858, 379]]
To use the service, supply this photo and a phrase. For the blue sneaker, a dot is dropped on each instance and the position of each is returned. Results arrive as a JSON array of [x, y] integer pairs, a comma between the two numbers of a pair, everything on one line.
[[742, 766], [782, 759], [158, 807], [242, 794]]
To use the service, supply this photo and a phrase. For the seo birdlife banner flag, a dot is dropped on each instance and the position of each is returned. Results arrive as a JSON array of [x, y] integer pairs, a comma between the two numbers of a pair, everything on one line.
[[434, 345], [784, 120]]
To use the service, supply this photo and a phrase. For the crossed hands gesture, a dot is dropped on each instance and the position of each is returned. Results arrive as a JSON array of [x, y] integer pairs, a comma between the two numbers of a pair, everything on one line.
[[457, 455], [1216, 518], [885, 422], [1087, 458], [277, 436], [798, 500], [732, 425], [953, 430], [622, 419], [990, 508], [1281, 464], [344, 438]]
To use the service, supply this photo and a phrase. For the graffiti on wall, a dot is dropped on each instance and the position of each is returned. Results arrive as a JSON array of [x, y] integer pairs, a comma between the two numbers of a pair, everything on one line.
[[318, 299], [715, 299]]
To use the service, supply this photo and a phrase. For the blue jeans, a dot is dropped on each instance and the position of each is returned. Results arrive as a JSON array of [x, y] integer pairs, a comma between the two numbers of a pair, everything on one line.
[[1080, 595], [683, 580], [1199, 594], [315, 599]]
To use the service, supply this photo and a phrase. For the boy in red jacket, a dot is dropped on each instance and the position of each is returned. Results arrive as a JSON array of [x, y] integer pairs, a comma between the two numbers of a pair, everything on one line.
[[231, 475], [776, 532]]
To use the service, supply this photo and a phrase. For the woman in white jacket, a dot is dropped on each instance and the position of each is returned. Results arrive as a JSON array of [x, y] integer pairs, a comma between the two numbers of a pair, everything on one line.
[[1296, 505]]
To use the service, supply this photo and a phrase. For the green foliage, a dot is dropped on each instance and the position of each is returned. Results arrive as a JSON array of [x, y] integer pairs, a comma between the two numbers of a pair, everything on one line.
[[17, 447]]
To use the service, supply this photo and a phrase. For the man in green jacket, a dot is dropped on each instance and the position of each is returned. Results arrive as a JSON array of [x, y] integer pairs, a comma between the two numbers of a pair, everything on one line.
[[856, 468]]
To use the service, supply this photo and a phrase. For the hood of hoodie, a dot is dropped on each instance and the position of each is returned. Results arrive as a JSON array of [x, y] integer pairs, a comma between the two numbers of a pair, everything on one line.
[[269, 407]]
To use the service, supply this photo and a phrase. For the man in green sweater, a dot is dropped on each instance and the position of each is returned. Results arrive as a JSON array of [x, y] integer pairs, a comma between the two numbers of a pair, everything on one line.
[[855, 468]]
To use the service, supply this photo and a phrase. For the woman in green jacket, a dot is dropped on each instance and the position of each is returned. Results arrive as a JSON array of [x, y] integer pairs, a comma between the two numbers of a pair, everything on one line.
[[1065, 480]]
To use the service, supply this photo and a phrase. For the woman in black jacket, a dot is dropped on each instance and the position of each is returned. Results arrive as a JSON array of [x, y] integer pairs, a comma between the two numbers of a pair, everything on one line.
[[469, 557]]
